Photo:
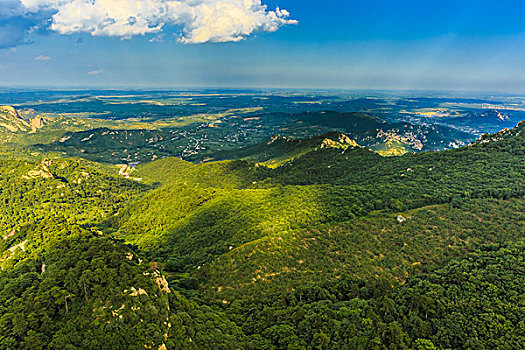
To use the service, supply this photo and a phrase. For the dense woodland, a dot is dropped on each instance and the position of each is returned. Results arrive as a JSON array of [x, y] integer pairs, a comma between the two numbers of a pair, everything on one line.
[[319, 244]]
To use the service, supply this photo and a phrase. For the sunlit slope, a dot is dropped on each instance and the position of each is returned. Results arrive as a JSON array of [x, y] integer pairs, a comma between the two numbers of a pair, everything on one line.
[[224, 174], [278, 149], [366, 248], [189, 226], [77, 190], [204, 211]]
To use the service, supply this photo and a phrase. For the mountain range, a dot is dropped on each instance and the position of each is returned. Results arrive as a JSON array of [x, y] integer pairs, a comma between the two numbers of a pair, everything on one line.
[[290, 243], [120, 142]]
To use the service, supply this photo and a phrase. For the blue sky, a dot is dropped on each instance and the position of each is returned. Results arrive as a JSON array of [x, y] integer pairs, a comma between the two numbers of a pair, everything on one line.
[[440, 45]]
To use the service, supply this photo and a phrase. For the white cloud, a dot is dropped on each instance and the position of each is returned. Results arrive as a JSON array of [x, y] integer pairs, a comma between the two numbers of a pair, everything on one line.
[[228, 20], [95, 72], [201, 20], [42, 58]]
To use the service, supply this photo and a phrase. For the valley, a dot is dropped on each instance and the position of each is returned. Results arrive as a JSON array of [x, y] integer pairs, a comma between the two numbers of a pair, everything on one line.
[[261, 220]]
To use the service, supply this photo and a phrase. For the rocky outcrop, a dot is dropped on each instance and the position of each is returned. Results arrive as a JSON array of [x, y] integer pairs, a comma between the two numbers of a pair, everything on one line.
[[36, 123], [161, 282], [40, 171], [502, 134], [338, 140], [10, 120]]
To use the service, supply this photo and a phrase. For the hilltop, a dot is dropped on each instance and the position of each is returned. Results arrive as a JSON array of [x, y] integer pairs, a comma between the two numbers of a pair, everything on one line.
[[279, 149]]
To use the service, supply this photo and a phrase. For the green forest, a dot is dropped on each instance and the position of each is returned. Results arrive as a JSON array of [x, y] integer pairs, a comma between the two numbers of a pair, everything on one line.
[[285, 245]]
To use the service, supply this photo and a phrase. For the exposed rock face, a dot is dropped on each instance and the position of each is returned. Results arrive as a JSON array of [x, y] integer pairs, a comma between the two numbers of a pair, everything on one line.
[[21, 246], [275, 138], [161, 281], [337, 140], [11, 120], [409, 138], [9, 110], [346, 140], [36, 123], [41, 171], [135, 292], [10, 234]]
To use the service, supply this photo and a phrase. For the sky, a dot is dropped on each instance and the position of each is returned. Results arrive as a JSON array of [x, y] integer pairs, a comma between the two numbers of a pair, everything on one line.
[[389, 44]]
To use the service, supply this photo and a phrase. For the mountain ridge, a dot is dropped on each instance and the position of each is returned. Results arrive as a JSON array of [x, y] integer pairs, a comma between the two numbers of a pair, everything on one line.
[[279, 149], [332, 246]]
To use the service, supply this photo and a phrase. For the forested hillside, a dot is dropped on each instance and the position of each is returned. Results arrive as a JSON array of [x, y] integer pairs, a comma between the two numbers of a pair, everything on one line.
[[289, 244], [65, 284], [202, 210]]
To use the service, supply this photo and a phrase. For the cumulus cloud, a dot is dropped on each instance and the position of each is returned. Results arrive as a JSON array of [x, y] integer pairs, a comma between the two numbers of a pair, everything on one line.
[[227, 20], [200, 20]]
